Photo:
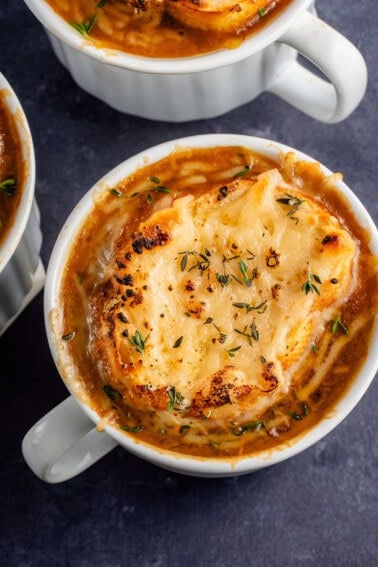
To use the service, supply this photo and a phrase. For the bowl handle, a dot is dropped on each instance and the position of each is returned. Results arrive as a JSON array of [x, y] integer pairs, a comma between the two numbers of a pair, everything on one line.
[[64, 443], [336, 57]]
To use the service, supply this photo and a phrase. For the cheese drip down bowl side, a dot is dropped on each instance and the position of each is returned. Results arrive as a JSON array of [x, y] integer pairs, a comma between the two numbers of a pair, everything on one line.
[[65, 442], [208, 85], [21, 270]]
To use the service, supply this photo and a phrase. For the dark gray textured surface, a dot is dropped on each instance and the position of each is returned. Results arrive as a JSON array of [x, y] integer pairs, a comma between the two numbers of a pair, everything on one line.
[[318, 509]]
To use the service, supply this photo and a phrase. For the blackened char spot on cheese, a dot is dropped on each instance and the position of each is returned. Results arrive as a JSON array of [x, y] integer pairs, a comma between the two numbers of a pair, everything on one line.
[[223, 192], [330, 239], [120, 264], [156, 237], [126, 280], [137, 299], [189, 286], [122, 317]]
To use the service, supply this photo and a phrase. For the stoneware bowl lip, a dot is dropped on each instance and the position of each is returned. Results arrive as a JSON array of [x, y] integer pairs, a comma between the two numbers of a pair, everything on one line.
[[260, 39], [173, 461], [18, 226]]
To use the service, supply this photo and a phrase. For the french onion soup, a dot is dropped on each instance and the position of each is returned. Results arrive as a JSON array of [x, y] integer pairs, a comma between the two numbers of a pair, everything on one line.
[[216, 303], [11, 167], [167, 28]]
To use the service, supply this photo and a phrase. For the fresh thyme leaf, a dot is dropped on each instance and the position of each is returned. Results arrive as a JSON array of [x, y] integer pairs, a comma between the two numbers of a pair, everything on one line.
[[294, 415], [244, 171], [208, 320], [116, 192], [243, 269], [149, 198], [101, 3], [184, 261], [248, 307], [8, 186], [252, 425], [136, 429], [252, 334], [306, 409], [262, 359], [178, 342], [175, 398], [154, 179], [111, 392], [86, 27], [162, 189], [68, 336], [308, 286], [262, 12], [314, 348], [232, 351], [254, 331], [337, 323], [223, 279], [138, 342], [293, 202]]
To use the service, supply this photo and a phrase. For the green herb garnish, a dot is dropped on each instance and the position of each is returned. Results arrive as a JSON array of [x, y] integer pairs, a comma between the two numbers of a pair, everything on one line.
[[252, 334], [262, 12], [116, 192], [138, 342], [8, 186], [232, 351], [85, 28], [184, 428], [243, 269], [175, 398], [101, 3], [248, 307], [309, 286], [306, 409], [252, 425], [294, 203], [223, 279], [294, 415], [208, 320], [68, 336], [244, 171], [178, 342], [337, 323], [136, 429], [112, 393]]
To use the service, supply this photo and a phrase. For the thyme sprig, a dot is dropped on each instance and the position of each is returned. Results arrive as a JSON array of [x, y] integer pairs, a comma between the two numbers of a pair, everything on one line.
[[112, 393], [293, 202], [138, 342], [232, 351], [175, 399], [338, 324], [202, 264], [8, 185], [309, 286], [243, 172], [85, 28], [250, 332], [136, 429], [260, 308], [252, 425], [243, 268]]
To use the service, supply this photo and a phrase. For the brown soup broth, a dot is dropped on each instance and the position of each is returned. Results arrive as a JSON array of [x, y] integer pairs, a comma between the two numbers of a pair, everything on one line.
[[100, 230], [153, 33], [11, 168]]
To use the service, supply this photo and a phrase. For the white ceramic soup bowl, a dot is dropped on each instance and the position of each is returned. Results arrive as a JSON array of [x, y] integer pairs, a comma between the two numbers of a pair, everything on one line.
[[205, 86], [21, 270], [65, 442]]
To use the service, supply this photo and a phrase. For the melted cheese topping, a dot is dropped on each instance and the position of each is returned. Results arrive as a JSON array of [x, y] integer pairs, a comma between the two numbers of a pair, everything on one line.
[[221, 316], [213, 304]]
